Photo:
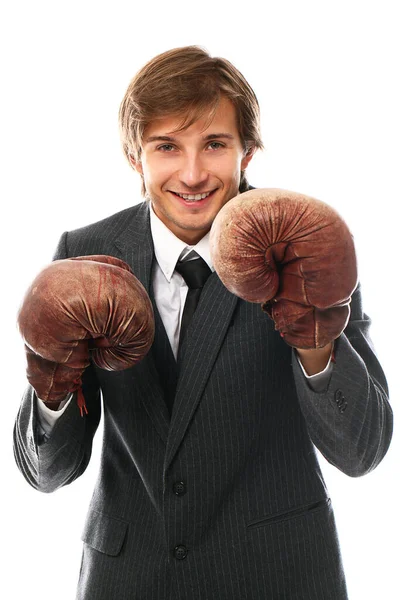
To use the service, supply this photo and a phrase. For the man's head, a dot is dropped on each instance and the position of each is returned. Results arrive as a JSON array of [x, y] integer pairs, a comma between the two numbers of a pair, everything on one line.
[[190, 125]]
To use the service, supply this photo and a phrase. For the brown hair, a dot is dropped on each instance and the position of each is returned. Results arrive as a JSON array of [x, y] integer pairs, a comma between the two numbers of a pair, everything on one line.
[[188, 83]]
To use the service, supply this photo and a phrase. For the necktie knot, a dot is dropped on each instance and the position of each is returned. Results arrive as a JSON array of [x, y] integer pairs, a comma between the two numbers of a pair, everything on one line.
[[195, 272]]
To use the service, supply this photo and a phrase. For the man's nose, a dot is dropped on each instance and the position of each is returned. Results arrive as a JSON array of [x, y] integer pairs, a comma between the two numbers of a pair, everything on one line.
[[193, 172]]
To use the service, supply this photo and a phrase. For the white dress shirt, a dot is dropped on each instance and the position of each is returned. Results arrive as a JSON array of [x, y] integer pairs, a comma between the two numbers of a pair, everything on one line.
[[169, 287], [170, 292]]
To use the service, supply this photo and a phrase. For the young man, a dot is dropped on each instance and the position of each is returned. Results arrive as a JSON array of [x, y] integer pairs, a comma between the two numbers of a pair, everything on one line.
[[209, 485]]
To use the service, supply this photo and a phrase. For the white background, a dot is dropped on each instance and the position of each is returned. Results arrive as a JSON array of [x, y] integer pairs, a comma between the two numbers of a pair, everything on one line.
[[326, 75]]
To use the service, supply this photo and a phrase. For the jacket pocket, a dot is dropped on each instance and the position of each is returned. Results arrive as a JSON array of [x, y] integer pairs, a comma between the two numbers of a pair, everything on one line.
[[104, 533], [293, 513]]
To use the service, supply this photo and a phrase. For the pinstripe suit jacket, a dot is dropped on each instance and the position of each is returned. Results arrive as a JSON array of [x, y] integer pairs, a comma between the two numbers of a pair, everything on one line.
[[225, 500]]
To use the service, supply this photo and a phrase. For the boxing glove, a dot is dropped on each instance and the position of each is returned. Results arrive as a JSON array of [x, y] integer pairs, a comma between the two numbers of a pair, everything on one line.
[[81, 309], [292, 254]]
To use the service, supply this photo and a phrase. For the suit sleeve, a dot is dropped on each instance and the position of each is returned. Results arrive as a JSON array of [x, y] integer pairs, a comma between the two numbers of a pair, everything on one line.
[[351, 421], [49, 462]]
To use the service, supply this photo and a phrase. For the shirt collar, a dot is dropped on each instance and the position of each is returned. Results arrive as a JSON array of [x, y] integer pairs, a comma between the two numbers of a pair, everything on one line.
[[168, 248]]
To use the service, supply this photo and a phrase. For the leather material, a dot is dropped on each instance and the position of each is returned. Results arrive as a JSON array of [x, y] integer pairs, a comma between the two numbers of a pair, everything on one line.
[[80, 309], [293, 254]]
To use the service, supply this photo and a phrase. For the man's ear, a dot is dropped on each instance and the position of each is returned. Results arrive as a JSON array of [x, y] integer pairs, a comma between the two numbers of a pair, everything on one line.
[[136, 164], [249, 153]]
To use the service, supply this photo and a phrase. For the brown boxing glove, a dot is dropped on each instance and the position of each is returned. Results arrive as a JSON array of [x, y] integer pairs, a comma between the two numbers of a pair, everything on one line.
[[77, 309], [293, 254]]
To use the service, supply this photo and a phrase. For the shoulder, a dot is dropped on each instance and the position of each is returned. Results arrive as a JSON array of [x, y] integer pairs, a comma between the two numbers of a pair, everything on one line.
[[112, 224], [98, 237]]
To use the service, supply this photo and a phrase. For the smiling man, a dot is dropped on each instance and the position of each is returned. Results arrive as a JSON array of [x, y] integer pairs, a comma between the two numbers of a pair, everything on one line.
[[190, 174], [209, 486]]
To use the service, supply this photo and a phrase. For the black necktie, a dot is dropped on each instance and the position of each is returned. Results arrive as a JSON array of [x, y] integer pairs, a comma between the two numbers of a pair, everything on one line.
[[195, 273]]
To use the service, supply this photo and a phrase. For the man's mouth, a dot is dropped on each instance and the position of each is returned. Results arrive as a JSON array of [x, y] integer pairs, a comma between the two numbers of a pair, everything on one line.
[[194, 197]]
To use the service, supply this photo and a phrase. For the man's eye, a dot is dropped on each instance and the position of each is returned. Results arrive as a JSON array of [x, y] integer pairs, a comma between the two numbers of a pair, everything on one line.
[[216, 145], [165, 148]]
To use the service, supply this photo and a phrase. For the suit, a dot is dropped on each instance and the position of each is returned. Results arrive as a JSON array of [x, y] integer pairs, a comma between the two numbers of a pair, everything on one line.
[[224, 499]]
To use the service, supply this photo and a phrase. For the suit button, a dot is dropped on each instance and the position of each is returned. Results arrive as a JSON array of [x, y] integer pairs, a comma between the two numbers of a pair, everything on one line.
[[180, 552], [179, 488], [339, 396], [340, 401]]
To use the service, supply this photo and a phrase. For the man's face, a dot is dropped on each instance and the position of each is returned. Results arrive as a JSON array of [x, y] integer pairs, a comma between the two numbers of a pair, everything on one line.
[[190, 175]]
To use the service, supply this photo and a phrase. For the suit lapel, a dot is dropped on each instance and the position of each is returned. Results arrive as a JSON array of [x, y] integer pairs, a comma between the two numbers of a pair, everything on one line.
[[199, 352], [135, 247]]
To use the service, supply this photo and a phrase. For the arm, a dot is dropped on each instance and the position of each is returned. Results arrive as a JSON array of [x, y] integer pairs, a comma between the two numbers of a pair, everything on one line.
[[296, 256], [49, 462], [89, 310], [351, 421]]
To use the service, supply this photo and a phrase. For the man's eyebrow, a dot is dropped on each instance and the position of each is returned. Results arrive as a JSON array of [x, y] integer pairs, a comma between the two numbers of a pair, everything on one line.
[[207, 138], [214, 136], [159, 138]]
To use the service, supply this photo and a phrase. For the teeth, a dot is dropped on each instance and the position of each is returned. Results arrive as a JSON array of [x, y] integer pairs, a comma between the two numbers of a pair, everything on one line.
[[194, 196]]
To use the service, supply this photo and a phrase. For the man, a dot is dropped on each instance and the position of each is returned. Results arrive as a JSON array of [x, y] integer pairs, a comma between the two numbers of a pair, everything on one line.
[[209, 486]]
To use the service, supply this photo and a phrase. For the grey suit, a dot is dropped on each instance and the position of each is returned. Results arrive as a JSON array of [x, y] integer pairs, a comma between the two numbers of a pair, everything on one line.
[[225, 500]]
